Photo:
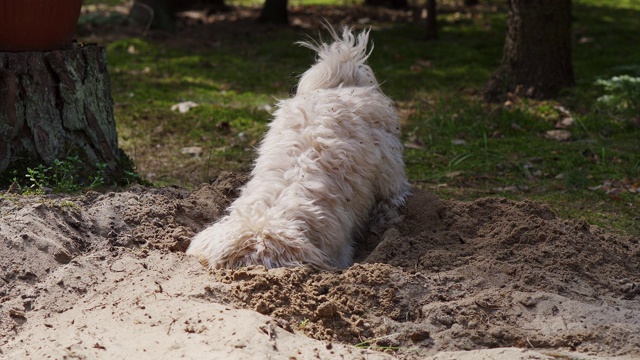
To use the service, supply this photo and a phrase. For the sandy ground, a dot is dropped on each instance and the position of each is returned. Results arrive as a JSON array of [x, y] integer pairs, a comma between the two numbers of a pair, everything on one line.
[[103, 276]]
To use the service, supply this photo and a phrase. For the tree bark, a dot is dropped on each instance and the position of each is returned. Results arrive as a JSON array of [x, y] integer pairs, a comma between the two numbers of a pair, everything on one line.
[[160, 14], [57, 104], [275, 12], [392, 4], [536, 61], [432, 20]]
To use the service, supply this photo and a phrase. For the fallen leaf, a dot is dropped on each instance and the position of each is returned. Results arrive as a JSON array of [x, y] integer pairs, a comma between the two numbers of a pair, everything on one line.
[[615, 187], [414, 143], [563, 110], [558, 135], [194, 151], [424, 63], [184, 106], [266, 107], [565, 123], [511, 188]]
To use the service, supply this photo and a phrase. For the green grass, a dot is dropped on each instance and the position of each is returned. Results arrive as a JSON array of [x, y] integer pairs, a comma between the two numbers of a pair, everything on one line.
[[458, 146], [234, 87]]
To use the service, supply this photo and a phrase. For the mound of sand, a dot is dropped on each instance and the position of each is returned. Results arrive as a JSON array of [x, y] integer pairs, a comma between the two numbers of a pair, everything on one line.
[[103, 276]]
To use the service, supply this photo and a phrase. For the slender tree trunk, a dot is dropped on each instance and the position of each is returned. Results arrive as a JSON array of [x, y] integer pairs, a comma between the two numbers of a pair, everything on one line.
[[274, 12], [432, 20], [536, 61], [392, 4], [471, 2], [159, 13], [56, 104]]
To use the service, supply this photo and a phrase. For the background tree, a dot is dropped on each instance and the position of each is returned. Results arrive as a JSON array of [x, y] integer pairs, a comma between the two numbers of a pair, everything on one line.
[[274, 12], [162, 13], [536, 60], [432, 23], [392, 4]]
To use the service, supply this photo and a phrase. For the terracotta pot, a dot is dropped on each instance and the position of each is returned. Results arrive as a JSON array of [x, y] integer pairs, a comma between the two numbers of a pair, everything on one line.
[[37, 25]]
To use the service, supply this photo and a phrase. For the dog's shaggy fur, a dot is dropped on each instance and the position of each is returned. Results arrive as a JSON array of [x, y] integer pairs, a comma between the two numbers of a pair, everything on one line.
[[330, 164]]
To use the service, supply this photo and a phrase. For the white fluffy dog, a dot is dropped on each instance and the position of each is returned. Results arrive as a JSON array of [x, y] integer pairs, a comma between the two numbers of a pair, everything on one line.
[[330, 164]]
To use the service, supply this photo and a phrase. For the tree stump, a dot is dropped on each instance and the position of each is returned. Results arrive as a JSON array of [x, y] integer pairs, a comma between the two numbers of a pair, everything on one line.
[[57, 104]]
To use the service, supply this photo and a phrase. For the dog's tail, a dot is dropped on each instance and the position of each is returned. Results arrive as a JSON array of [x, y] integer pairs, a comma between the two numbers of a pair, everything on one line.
[[339, 63]]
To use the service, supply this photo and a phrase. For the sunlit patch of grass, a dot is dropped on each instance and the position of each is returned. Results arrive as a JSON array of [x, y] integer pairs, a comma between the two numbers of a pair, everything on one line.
[[464, 149]]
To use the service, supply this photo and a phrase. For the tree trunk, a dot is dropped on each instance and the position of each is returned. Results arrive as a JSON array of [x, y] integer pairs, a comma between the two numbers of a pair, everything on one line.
[[432, 20], [392, 4], [471, 2], [536, 61], [158, 14], [54, 105], [274, 12], [161, 14]]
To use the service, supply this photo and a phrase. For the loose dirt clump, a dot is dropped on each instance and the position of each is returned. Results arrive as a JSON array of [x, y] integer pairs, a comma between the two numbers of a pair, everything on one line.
[[103, 275], [325, 305]]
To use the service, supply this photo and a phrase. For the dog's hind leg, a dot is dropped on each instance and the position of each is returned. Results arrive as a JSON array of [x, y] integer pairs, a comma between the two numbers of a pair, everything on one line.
[[392, 188], [386, 213]]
